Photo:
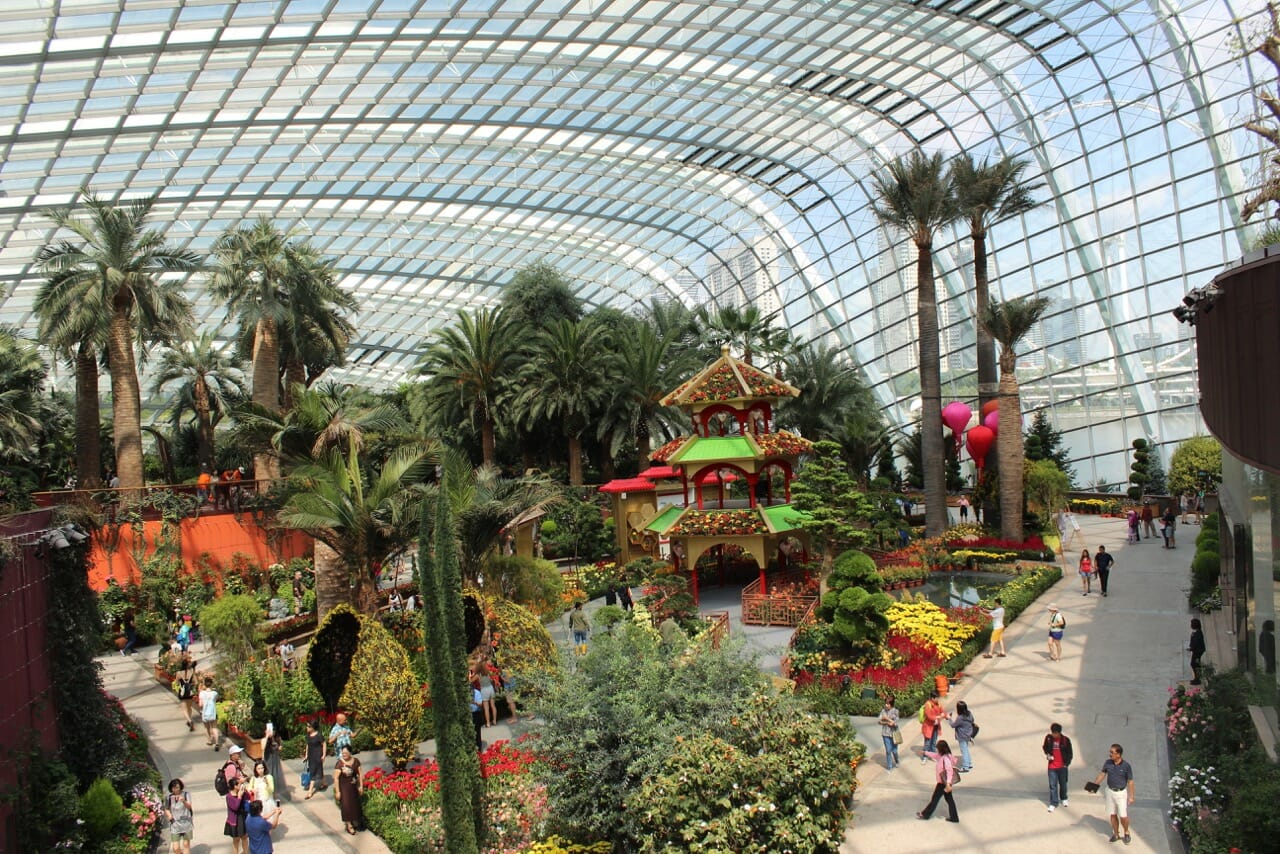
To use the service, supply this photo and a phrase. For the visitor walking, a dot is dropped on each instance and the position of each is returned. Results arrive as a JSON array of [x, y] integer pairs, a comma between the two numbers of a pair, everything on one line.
[[317, 752], [945, 776], [1102, 564], [130, 634], [347, 775], [1196, 648], [1058, 753], [997, 630], [962, 722], [580, 625], [1086, 572], [186, 688], [1117, 773], [340, 734], [209, 714], [181, 818], [1057, 627], [890, 733]]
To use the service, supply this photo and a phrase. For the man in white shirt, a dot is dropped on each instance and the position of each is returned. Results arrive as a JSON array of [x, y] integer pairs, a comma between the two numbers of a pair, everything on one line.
[[997, 630]]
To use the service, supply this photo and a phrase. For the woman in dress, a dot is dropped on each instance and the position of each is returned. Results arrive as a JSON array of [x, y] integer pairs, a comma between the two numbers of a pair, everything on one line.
[[962, 722], [261, 786], [177, 809], [347, 773], [317, 752], [944, 769], [1086, 572], [271, 755]]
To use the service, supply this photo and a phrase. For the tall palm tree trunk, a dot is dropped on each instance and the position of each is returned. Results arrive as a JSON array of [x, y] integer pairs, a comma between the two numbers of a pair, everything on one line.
[[88, 418], [488, 442], [575, 460], [931, 439], [204, 423], [988, 382], [1009, 451], [126, 404], [266, 389], [295, 374], [332, 585]]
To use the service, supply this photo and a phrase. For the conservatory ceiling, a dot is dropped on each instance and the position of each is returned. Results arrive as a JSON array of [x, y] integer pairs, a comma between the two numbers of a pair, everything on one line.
[[712, 153]]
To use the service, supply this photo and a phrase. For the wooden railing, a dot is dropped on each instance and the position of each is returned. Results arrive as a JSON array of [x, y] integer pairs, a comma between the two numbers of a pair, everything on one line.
[[773, 608], [717, 626], [810, 616]]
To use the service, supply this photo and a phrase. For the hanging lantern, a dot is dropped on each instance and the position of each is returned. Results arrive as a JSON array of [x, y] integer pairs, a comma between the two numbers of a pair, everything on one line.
[[992, 422], [980, 439], [987, 408], [956, 416]]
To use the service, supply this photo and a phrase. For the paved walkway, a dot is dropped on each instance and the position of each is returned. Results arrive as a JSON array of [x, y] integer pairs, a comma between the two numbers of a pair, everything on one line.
[[307, 825], [1121, 654]]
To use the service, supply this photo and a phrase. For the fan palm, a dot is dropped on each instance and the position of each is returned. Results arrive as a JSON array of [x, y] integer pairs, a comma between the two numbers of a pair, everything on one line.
[[209, 384], [567, 381], [747, 331], [469, 367], [362, 522], [916, 196], [649, 366], [1009, 322], [986, 193], [115, 265], [22, 373]]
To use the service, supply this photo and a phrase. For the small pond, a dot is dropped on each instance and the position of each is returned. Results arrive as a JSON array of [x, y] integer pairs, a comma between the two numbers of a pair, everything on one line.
[[956, 589]]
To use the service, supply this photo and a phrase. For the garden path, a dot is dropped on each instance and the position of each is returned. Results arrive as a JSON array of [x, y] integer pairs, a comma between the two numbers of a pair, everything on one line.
[[1121, 655]]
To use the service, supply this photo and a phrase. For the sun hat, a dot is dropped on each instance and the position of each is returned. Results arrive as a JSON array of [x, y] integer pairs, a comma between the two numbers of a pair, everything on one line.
[[1053, 607]]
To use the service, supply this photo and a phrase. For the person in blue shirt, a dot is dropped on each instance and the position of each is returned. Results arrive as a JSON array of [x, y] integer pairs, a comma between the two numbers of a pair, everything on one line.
[[259, 828]]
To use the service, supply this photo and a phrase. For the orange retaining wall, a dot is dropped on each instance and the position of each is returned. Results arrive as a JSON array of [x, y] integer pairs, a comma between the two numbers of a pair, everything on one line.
[[220, 536]]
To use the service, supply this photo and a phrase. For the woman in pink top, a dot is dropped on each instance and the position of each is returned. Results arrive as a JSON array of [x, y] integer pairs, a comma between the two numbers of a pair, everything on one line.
[[1086, 572], [945, 773]]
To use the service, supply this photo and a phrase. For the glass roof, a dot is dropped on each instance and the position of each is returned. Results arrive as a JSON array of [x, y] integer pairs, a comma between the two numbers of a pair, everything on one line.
[[707, 152]]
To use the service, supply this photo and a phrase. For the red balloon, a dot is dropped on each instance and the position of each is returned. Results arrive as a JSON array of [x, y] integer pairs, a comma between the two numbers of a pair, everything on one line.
[[979, 441], [989, 407]]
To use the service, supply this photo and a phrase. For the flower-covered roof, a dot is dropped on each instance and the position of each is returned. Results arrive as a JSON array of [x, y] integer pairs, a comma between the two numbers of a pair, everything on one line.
[[738, 522], [691, 449], [729, 379]]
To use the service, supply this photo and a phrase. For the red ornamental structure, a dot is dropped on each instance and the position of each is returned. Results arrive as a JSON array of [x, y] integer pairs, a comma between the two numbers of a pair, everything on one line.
[[735, 472], [979, 443]]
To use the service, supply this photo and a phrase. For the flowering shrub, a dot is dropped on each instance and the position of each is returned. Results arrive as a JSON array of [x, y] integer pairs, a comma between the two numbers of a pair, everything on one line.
[[924, 621], [897, 573], [1031, 544], [703, 523], [1095, 505], [1194, 795], [1209, 602], [664, 453], [556, 845], [403, 807], [1189, 716], [142, 818], [728, 381]]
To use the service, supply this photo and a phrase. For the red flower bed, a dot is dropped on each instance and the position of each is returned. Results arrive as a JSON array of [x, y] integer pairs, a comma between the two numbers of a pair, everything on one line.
[[918, 660], [502, 757], [664, 453]]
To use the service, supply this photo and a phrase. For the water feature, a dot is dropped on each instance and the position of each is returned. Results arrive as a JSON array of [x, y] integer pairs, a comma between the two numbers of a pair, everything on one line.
[[956, 589]]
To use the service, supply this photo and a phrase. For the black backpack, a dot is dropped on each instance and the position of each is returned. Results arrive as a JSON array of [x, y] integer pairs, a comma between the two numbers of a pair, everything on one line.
[[220, 781]]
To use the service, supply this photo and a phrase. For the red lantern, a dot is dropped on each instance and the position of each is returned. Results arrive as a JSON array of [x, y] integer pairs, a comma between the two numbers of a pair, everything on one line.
[[989, 407], [979, 442]]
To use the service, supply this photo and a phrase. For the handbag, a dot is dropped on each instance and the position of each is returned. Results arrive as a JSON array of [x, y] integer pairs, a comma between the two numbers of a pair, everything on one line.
[[954, 777], [897, 736], [306, 779], [975, 733]]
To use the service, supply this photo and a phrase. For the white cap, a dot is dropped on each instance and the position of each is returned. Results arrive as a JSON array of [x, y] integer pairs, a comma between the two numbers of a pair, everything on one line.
[[234, 749]]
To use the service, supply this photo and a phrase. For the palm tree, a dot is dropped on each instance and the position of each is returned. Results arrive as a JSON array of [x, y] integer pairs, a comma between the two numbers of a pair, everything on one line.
[[469, 367], [22, 373], [210, 384], [316, 332], [361, 521], [1009, 322], [747, 331], [482, 503], [830, 390], [987, 193], [114, 264], [566, 381], [916, 196], [254, 265], [649, 366]]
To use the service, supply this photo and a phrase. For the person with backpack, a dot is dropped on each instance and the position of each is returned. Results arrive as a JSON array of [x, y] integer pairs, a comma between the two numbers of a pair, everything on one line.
[[961, 721], [946, 776], [185, 686], [1057, 750], [1057, 627]]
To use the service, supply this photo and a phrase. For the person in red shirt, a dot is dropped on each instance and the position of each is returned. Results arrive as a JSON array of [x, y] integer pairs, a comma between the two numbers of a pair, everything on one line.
[[1057, 750]]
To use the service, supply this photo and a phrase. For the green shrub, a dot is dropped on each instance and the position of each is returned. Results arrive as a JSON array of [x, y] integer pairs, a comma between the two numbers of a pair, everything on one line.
[[231, 624], [1205, 570], [384, 693], [1208, 535], [101, 809]]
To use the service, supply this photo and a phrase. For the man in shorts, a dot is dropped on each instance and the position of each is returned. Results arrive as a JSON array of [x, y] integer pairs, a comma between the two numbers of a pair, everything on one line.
[[1118, 792]]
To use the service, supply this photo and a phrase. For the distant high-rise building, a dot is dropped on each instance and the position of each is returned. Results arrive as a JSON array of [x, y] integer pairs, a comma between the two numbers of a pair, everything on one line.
[[748, 278]]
